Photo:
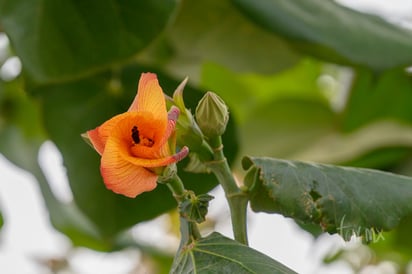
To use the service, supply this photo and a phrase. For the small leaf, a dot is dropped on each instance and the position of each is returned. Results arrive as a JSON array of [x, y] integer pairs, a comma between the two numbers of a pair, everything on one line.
[[341, 200], [333, 32], [194, 208], [218, 254]]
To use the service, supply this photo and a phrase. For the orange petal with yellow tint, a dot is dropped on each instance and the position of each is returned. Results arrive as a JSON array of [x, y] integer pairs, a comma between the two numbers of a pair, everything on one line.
[[99, 135], [159, 162], [119, 149], [150, 96], [125, 178]]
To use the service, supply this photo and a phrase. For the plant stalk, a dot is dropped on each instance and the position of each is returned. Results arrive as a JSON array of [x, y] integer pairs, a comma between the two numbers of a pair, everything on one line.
[[176, 186], [236, 198]]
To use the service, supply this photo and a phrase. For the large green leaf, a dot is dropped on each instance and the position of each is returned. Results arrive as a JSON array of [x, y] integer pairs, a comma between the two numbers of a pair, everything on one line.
[[218, 254], [365, 141], [21, 134], [73, 108], [215, 31], [63, 39], [332, 32], [395, 245], [254, 90], [373, 97], [21, 131], [341, 200], [285, 126], [279, 114]]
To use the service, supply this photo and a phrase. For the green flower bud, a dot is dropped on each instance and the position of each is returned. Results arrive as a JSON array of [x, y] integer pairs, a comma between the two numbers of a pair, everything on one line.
[[212, 115]]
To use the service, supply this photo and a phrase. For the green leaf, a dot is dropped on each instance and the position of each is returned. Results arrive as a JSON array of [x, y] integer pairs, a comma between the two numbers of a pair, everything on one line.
[[280, 114], [214, 31], [283, 127], [374, 97], [374, 124], [395, 245], [218, 254], [332, 32], [194, 208], [1, 220], [253, 91], [22, 133], [73, 108], [58, 40], [341, 200], [349, 147]]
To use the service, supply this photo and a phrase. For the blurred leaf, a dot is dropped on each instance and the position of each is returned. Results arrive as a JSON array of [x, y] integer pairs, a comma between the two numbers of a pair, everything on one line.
[[375, 97], [405, 167], [59, 40], [153, 258], [21, 131], [349, 147], [68, 219], [283, 127], [218, 254], [332, 32], [214, 31], [374, 124], [396, 245], [340, 199], [73, 108], [1, 220], [403, 238], [21, 135], [255, 90], [279, 114]]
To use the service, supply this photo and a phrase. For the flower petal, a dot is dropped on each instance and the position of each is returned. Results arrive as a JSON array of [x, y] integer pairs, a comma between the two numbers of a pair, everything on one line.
[[125, 178], [121, 152], [150, 97], [171, 125], [149, 163], [99, 135]]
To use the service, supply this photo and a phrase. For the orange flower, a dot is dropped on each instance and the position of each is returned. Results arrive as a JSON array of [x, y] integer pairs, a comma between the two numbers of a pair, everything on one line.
[[135, 143]]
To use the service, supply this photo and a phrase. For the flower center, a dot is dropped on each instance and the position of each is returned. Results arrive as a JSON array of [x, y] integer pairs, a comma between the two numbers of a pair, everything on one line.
[[138, 139], [135, 135]]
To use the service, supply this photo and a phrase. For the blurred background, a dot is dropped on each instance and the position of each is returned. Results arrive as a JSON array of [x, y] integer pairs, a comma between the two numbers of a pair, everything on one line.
[[322, 81]]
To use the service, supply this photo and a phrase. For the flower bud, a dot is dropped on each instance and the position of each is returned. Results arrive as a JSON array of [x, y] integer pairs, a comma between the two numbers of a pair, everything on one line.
[[212, 115]]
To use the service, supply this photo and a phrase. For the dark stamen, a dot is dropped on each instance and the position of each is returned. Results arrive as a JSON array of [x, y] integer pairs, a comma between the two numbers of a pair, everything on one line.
[[135, 135]]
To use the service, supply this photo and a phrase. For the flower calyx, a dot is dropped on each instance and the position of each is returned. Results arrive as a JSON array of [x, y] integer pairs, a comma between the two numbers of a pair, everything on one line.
[[194, 208]]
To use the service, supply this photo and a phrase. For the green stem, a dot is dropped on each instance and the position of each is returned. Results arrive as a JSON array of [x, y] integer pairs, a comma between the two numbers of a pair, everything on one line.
[[236, 198], [176, 186]]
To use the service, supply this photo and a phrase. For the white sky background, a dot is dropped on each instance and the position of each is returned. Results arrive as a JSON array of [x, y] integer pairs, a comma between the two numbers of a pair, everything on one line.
[[27, 236]]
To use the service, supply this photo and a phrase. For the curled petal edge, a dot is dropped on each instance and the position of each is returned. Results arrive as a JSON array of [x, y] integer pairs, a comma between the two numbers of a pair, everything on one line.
[[149, 163]]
